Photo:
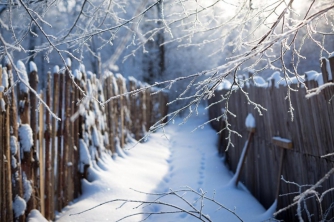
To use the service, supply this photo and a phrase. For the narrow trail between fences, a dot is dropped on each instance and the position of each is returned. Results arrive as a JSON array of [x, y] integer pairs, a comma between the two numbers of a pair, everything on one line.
[[186, 160]]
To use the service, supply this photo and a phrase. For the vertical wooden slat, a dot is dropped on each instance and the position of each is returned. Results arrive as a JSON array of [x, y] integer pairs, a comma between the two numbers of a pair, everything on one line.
[[121, 110], [76, 135], [2, 188], [27, 159], [33, 81], [60, 172], [16, 172], [54, 158], [8, 175], [6, 187], [67, 185], [49, 174], [41, 158]]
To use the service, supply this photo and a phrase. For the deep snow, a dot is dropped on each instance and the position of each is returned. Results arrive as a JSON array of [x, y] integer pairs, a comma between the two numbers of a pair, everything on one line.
[[169, 160]]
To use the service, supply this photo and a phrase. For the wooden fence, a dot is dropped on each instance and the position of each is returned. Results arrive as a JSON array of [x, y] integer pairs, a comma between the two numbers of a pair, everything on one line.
[[311, 133], [45, 159]]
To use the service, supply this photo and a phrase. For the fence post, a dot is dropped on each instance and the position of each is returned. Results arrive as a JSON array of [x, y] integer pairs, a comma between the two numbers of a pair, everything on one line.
[[48, 156], [67, 145], [16, 172], [284, 144], [121, 108], [55, 108], [33, 81], [6, 180], [59, 141], [8, 160], [2, 184], [28, 158], [41, 157]]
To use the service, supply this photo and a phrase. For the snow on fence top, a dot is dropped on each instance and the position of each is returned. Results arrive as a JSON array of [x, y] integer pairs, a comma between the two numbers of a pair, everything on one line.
[[279, 80], [276, 78], [56, 69], [250, 121], [32, 66], [23, 74], [4, 80]]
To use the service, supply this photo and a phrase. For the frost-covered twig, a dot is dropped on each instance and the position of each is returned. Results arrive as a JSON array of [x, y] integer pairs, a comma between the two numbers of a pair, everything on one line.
[[193, 210]]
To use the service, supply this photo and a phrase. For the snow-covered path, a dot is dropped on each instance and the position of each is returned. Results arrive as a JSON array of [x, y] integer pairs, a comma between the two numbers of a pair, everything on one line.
[[185, 159]]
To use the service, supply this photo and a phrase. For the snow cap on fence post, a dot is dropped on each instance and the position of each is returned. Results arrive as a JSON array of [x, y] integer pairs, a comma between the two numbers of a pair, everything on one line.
[[55, 69], [77, 74], [250, 122], [275, 79], [24, 80], [7, 62], [4, 81], [32, 66], [68, 62], [326, 70]]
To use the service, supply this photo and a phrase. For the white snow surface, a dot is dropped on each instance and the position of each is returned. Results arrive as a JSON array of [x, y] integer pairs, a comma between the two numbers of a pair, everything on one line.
[[225, 84], [27, 189], [25, 134], [19, 206], [260, 82], [278, 80], [2, 105], [158, 165], [13, 145], [68, 62], [32, 66], [56, 69], [250, 121], [316, 76], [36, 216], [5, 78], [23, 86], [77, 74]]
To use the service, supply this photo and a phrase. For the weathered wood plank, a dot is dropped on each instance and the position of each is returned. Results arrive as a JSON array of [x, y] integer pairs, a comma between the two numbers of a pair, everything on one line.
[[283, 143], [41, 158]]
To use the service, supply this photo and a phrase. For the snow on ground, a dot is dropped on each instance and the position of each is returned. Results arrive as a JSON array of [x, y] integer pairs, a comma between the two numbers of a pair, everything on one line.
[[183, 160]]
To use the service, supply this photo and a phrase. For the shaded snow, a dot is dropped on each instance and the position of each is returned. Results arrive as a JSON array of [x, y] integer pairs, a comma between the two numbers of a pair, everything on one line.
[[225, 84], [68, 62], [2, 105], [32, 66], [23, 86], [5, 78], [56, 69], [19, 206], [36, 216], [27, 189], [314, 75], [250, 121], [13, 145], [185, 159]]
